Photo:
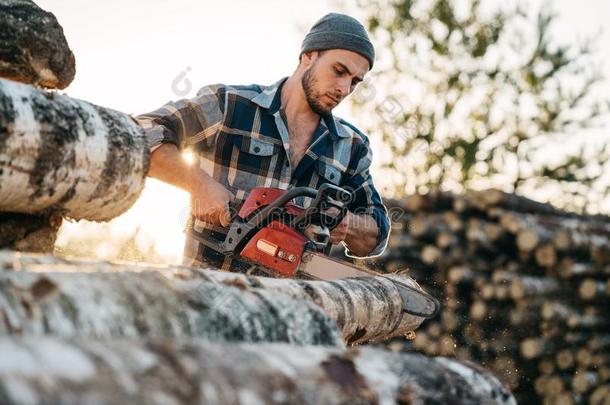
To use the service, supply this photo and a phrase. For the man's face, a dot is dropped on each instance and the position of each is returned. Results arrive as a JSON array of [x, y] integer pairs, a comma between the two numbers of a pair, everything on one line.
[[331, 76]]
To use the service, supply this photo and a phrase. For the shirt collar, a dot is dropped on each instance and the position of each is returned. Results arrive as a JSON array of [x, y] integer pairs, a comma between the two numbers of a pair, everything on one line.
[[270, 99]]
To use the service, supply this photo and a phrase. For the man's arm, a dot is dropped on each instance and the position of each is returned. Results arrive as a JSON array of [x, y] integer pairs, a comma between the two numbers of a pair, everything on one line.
[[365, 229], [183, 123], [209, 199], [359, 231]]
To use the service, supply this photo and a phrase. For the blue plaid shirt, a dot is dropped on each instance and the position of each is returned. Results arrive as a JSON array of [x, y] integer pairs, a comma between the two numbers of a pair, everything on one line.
[[239, 136]]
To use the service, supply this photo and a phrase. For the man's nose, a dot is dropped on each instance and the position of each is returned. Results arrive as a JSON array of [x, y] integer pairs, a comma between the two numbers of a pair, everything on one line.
[[343, 87]]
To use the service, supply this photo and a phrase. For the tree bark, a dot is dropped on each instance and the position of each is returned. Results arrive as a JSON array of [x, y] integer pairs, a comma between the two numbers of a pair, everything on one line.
[[33, 48], [74, 298], [55, 370], [66, 155]]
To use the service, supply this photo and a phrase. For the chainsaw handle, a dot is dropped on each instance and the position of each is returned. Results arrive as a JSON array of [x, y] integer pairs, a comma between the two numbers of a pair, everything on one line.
[[242, 231], [325, 198], [291, 194], [340, 195]]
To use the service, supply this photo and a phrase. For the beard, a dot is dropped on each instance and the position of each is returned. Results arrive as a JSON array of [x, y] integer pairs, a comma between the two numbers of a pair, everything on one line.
[[314, 98]]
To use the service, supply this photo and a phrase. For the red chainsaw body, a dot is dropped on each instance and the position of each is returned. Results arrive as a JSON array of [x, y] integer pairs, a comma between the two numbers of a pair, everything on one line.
[[277, 247]]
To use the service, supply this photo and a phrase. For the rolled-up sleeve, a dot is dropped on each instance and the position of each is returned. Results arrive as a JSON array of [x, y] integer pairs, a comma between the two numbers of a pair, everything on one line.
[[365, 198], [186, 122]]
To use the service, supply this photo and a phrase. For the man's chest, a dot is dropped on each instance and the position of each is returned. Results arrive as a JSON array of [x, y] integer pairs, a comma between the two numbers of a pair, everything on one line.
[[268, 152], [300, 139]]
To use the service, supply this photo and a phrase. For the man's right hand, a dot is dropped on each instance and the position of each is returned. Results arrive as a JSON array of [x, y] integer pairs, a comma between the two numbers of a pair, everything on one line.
[[210, 201]]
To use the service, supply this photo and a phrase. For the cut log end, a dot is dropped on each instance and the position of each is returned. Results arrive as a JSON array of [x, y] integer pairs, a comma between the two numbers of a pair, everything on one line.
[[35, 48]]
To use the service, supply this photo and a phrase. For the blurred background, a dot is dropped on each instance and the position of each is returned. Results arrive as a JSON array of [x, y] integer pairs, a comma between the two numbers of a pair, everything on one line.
[[465, 94]]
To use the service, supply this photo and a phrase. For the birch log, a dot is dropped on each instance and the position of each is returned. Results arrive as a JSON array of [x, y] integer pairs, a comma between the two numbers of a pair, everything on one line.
[[154, 371], [73, 298], [62, 154], [131, 304], [33, 48]]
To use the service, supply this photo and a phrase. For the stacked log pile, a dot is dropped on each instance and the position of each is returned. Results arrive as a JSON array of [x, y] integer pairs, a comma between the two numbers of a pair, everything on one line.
[[525, 289]]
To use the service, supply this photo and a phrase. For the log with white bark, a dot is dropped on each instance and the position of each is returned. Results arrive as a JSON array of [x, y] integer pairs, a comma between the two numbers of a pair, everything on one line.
[[527, 286], [33, 48], [66, 155], [569, 268], [580, 241], [50, 295], [157, 371], [147, 304]]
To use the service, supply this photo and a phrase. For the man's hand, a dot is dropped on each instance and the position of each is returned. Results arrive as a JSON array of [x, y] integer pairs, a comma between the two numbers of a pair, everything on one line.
[[339, 233], [359, 232], [209, 199]]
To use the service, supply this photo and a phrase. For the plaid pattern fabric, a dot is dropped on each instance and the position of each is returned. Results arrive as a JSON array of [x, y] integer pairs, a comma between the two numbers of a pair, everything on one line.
[[239, 136]]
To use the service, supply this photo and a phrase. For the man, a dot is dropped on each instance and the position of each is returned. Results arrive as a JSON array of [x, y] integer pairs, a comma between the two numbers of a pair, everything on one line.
[[282, 135]]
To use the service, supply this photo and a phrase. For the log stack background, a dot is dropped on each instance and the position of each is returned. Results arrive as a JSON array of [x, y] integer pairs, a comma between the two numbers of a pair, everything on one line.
[[525, 289]]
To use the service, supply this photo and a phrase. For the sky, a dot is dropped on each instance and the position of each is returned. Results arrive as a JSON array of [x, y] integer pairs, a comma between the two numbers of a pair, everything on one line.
[[134, 56]]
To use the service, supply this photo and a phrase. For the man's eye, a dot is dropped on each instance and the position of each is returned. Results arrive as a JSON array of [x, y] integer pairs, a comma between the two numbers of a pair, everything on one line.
[[339, 72]]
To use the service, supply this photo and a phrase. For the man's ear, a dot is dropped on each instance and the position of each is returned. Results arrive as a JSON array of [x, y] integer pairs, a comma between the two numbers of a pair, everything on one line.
[[308, 57]]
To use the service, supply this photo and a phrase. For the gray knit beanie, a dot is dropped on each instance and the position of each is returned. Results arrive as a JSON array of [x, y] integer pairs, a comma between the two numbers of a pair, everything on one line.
[[339, 31]]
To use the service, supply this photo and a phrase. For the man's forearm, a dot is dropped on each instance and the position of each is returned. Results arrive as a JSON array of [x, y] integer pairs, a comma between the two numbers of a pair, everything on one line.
[[167, 165], [362, 233], [209, 199]]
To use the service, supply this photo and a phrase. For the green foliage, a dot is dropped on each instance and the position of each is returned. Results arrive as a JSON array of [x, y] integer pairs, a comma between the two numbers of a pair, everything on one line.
[[474, 97]]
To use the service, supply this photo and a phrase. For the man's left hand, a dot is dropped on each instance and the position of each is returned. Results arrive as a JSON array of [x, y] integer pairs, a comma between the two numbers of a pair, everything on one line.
[[359, 232], [339, 234]]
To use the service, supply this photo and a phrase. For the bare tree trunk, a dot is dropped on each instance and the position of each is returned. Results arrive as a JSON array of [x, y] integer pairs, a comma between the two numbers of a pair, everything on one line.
[[72, 298], [55, 370], [62, 154], [33, 48]]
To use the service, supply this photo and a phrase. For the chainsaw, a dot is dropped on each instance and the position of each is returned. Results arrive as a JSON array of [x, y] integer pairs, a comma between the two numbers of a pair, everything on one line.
[[282, 239]]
